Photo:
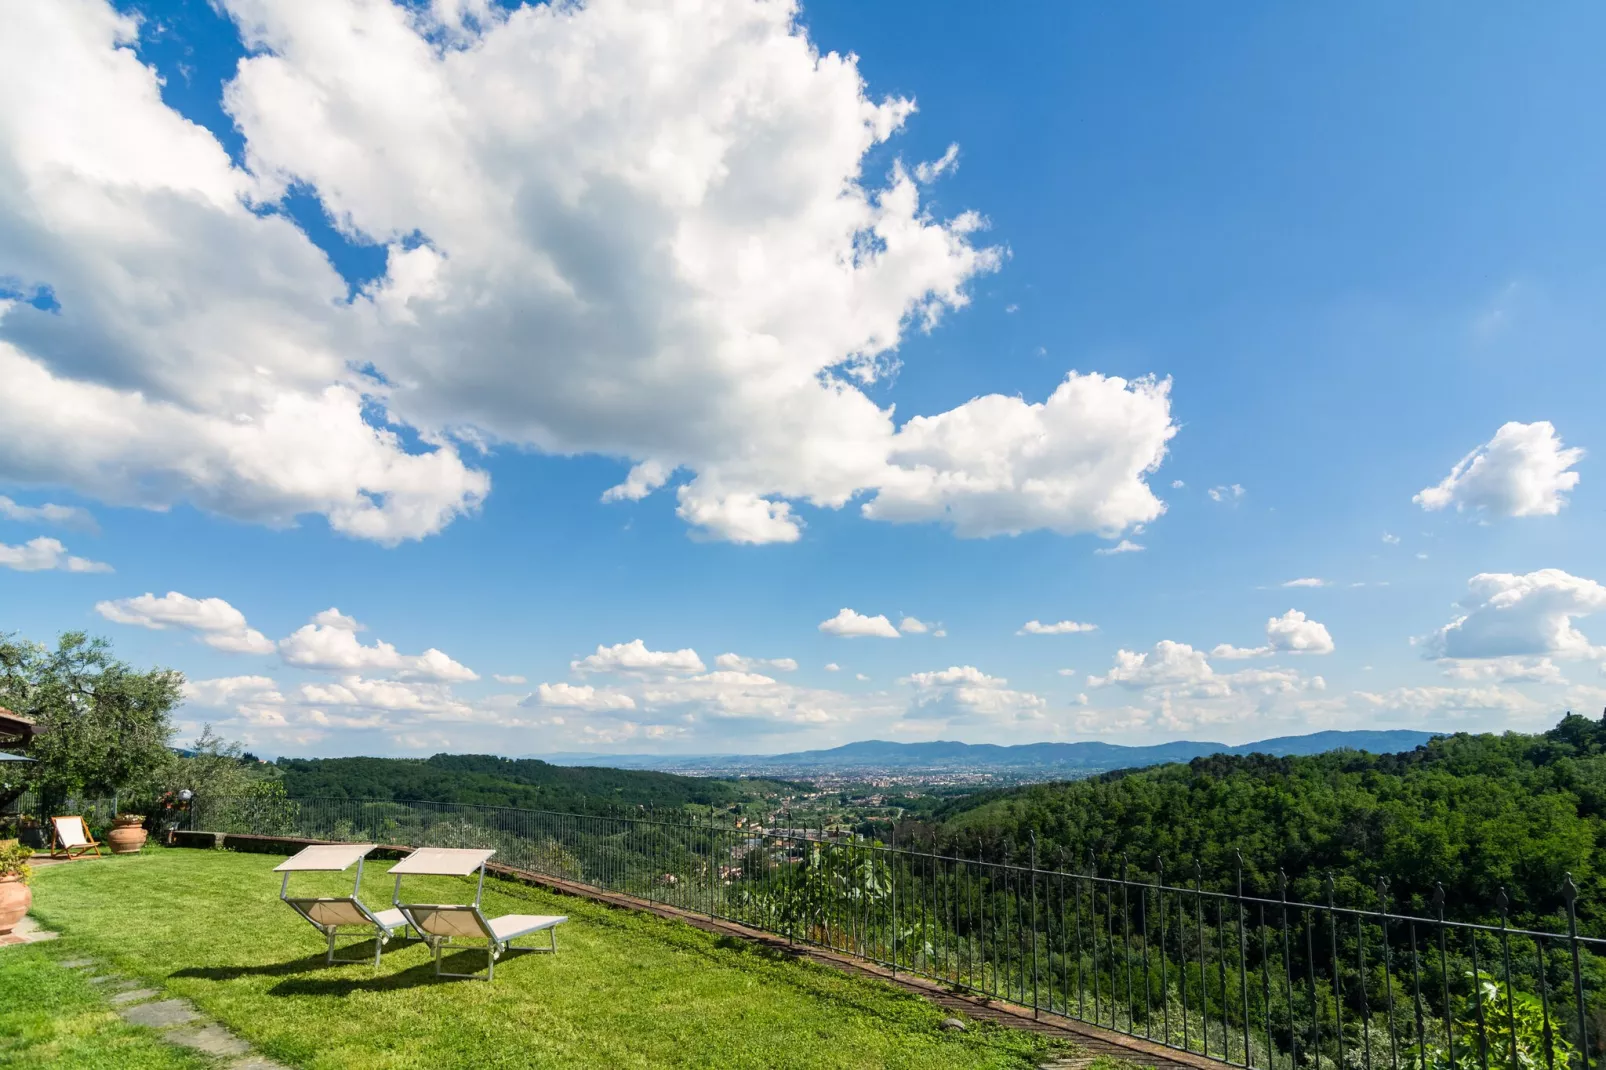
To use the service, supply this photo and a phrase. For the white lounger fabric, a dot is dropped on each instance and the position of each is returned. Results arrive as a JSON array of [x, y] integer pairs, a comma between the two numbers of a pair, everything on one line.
[[512, 926], [442, 862], [324, 856]]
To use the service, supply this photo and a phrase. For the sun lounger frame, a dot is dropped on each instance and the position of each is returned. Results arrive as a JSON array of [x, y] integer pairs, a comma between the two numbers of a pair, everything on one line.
[[306, 860], [461, 863]]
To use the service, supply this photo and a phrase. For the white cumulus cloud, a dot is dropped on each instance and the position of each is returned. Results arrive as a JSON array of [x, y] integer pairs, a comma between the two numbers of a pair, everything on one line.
[[850, 624], [43, 554], [1294, 633], [70, 516], [1000, 466], [634, 657], [963, 694], [1507, 670], [214, 621], [1508, 615], [1064, 627], [1179, 669], [330, 643], [1291, 633], [738, 663], [1125, 546], [609, 228], [1522, 471], [582, 697], [1306, 581]]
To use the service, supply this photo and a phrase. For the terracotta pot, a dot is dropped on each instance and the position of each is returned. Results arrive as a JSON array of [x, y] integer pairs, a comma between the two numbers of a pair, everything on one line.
[[15, 899], [126, 839]]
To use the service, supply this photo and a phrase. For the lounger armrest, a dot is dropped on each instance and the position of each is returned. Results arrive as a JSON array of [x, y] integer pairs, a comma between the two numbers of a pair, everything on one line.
[[390, 919]]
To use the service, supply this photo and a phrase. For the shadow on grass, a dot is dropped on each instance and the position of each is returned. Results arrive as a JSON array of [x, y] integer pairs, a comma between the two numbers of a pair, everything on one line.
[[272, 969], [466, 960], [756, 950]]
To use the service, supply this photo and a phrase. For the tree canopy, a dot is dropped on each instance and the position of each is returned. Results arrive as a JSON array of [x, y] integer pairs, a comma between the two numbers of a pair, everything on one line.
[[1475, 812], [104, 726]]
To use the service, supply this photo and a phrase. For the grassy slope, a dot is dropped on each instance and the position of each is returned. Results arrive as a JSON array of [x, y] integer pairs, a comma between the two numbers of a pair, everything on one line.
[[52, 1016], [625, 990]]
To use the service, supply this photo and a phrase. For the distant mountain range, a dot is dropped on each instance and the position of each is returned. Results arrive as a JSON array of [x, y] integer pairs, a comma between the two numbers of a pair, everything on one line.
[[944, 756]]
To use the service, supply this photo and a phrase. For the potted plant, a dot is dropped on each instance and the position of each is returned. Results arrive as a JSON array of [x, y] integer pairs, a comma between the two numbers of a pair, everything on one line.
[[127, 834], [15, 896]]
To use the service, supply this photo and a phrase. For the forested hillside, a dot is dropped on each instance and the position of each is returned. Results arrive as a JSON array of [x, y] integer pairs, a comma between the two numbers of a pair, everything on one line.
[[1475, 812], [529, 783]]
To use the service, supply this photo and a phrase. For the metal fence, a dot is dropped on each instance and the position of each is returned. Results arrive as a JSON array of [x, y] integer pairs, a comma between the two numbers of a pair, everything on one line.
[[1243, 976], [98, 812]]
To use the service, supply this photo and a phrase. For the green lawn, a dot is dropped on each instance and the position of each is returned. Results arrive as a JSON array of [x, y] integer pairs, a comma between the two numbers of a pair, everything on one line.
[[52, 1016], [625, 989]]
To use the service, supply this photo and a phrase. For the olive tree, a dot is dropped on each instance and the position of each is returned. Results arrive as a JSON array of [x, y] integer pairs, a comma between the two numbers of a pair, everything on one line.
[[104, 726]]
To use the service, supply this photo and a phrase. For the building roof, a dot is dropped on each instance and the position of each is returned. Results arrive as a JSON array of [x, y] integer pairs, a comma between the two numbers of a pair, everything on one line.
[[14, 724]]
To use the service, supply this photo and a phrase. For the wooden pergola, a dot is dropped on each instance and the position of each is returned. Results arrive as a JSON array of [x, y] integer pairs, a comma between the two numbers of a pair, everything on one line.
[[16, 731]]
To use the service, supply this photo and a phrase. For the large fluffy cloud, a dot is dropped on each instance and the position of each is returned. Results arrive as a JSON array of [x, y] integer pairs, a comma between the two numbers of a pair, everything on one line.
[[1522, 471], [963, 694], [330, 642], [1291, 633], [850, 623], [610, 227], [196, 349], [1507, 615], [634, 657], [214, 621], [1179, 669]]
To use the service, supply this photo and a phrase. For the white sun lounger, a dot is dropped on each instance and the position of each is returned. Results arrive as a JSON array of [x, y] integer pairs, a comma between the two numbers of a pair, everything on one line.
[[438, 923], [329, 914]]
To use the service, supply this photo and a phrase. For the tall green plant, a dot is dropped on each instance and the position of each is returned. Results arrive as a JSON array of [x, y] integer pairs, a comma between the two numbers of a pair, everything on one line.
[[1499, 1022]]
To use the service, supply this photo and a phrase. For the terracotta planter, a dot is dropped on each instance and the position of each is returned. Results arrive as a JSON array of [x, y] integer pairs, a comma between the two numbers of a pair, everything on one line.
[[126, 839], [15, 899]]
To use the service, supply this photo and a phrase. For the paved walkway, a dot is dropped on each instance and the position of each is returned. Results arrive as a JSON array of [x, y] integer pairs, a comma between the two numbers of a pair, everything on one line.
[[176, 1019], [27, 931]]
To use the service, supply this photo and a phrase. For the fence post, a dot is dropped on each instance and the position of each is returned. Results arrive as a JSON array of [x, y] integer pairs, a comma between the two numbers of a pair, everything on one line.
[[1569, 892], [791, 884], [1243, 966], [892, 843], [1034, 922]]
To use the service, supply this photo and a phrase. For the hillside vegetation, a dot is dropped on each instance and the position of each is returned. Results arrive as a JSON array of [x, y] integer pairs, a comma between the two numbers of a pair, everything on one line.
[[524, 782], [1475, 812]]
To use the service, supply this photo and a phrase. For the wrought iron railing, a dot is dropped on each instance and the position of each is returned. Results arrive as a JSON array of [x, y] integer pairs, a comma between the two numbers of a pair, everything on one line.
[[1247, 977]]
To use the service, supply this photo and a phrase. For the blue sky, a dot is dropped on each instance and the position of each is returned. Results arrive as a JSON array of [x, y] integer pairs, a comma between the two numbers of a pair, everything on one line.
[[373, 321]]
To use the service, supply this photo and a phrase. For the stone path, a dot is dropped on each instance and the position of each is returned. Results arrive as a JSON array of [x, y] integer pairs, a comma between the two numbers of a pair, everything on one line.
[[177, 1019], [26, 932]]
